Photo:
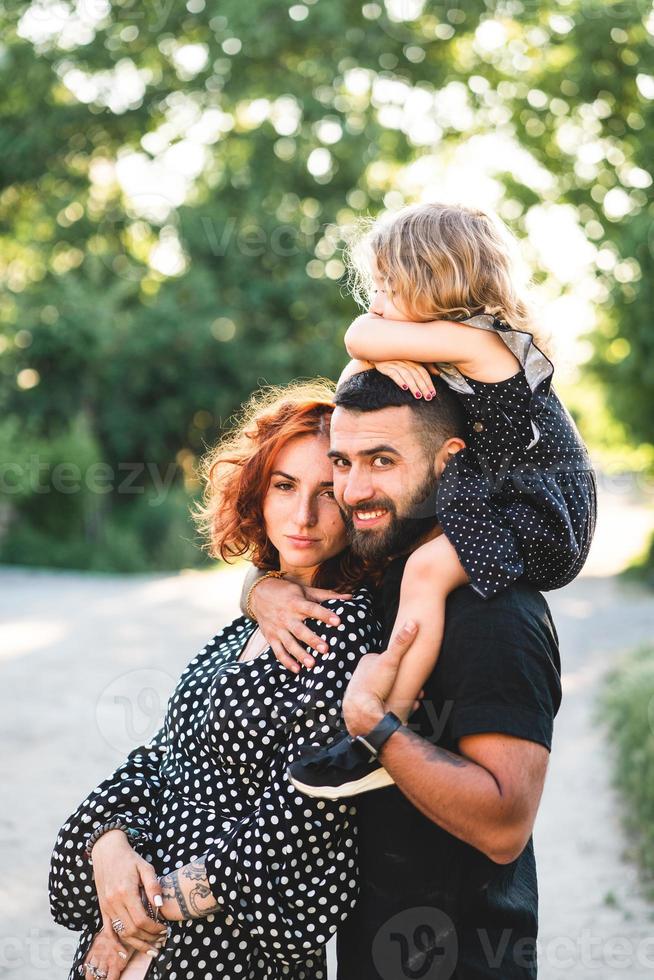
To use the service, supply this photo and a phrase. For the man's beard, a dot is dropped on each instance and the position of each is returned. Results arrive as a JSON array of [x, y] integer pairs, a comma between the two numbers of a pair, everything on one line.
[[402, 531]]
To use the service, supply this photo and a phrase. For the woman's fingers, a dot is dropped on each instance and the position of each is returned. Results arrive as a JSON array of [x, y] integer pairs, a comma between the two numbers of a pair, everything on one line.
[[107, 955], [150, 884], [140, 931]]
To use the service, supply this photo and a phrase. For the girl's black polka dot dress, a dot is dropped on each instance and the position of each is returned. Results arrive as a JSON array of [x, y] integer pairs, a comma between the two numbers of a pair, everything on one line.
[[521, 499], [213, 782]]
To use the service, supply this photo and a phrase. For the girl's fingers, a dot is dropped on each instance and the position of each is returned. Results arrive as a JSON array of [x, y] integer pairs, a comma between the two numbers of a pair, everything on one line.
[[424, 383]]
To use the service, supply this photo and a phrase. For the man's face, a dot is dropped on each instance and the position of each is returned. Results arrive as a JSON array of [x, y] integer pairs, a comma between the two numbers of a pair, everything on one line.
[[384, 482]]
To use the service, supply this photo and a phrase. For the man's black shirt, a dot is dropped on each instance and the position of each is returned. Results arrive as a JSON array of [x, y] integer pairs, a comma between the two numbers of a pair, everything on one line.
[[431, 906]]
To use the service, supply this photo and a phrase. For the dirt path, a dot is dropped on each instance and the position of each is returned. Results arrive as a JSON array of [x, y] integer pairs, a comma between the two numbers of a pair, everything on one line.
[[76, 649]]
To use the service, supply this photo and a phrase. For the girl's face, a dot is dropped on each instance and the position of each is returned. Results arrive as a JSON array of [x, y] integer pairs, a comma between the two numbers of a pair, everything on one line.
[[383, 301], [301, 516]]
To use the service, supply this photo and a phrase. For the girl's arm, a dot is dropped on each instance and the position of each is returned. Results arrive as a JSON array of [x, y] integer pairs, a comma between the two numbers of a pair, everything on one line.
[[355, 366], [481, 354]]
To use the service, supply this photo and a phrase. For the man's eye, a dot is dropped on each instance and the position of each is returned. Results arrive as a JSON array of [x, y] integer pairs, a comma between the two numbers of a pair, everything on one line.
[[329, 494], [340, 463], [381, 461]]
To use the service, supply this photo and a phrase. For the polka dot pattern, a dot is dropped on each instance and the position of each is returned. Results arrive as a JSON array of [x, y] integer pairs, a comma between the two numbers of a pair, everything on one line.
[[213, 782], [521, 500]]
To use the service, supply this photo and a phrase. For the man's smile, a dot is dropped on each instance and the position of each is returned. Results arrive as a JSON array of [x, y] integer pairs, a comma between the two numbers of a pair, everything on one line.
[[368, 517]]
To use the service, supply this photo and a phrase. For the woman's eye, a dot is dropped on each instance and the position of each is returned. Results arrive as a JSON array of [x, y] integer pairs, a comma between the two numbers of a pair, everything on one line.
[[284, 486]]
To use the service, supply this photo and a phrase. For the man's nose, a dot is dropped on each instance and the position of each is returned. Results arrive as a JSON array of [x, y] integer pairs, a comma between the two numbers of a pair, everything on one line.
[[358, 488]]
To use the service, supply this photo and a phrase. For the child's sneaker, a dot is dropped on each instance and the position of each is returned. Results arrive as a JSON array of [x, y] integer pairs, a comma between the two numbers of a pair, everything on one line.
[[344, 768]]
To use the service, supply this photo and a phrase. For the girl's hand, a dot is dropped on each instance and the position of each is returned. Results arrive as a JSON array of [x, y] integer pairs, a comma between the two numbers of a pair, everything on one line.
[[119, 872], [410, 375], [107, 954]]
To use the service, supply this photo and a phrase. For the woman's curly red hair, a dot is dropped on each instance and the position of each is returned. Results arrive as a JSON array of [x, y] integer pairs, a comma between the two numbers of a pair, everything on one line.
[[236, 475]]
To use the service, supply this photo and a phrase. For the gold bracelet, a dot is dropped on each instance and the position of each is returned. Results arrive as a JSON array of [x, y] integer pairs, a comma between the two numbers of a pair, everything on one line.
[[248, 607]]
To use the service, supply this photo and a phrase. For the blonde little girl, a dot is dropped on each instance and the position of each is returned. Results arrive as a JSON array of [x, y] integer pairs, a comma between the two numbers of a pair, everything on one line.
[[519, 501]]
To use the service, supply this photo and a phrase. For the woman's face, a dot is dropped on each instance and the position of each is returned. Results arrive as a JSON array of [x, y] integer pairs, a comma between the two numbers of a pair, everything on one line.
[[301, 516]]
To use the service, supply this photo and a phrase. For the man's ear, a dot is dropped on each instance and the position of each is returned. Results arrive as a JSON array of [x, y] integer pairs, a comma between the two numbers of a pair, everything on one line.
[[445, 453]]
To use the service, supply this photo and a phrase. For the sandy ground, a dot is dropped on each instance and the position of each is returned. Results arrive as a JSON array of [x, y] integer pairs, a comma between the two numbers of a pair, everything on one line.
[[88, 662]]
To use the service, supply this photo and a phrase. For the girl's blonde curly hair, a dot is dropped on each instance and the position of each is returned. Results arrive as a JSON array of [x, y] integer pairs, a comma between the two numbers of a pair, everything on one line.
[[442, 262]]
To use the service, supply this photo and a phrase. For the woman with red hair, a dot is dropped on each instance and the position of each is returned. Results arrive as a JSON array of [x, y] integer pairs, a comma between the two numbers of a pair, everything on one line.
[[241, 875]]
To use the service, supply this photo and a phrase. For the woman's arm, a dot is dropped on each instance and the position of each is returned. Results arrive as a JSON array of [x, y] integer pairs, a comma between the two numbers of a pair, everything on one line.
[[129, 794], [481, 354], [286, 871]]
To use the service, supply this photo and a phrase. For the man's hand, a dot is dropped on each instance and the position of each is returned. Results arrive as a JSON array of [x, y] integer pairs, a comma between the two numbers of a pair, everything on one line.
[[372, 682], [281, 607]]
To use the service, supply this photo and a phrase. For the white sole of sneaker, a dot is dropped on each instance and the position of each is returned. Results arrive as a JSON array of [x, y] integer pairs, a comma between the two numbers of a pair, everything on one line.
[[374, 780]]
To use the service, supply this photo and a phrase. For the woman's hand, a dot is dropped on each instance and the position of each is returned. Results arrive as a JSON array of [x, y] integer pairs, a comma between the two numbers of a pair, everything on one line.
[[410, 375], [281, 607], [119, 872], [107, 954]]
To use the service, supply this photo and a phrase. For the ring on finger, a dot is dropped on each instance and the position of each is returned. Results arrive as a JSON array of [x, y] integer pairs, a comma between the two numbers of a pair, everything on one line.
[[118, 925]]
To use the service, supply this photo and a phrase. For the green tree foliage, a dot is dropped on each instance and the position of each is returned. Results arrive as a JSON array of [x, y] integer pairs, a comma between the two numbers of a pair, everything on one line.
[[151, 315]]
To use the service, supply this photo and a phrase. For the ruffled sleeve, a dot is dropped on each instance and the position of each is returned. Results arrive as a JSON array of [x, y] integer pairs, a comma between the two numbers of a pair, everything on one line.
[[130, 794], [287, 872], [537, 368]]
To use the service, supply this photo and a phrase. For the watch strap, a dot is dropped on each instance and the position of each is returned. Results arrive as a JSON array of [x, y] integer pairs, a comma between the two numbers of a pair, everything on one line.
[[382, 731]]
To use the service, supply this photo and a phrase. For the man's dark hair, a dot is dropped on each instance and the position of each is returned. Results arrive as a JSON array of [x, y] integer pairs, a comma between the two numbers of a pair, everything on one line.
[[437, 420]]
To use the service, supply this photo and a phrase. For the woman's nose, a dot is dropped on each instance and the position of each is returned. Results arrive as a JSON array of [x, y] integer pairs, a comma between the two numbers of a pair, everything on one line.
[[306, 515]]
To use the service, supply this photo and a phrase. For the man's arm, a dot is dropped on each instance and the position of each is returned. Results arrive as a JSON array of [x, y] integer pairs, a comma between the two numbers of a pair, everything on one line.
[[487, 796], [253, 573], [281, 607]]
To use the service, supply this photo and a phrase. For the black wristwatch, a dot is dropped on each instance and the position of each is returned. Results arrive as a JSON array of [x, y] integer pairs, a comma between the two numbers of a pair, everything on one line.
[[382, 731]]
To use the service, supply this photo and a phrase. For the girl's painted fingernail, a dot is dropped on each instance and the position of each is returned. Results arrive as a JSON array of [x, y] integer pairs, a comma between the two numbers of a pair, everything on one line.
[[153, 953], [122, 954], [418, 395], [158, 900], [406, 387], [427, 397]]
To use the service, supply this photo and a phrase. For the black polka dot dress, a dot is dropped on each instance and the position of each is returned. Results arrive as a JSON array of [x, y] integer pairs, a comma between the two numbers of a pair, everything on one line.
[[212, 782], [521, 499]]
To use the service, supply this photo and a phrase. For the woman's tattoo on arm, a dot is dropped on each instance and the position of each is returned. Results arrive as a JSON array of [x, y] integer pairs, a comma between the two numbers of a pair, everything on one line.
[[190, 886]]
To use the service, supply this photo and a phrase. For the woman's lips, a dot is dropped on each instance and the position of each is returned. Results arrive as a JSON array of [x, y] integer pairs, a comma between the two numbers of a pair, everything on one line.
[[302, 542]]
